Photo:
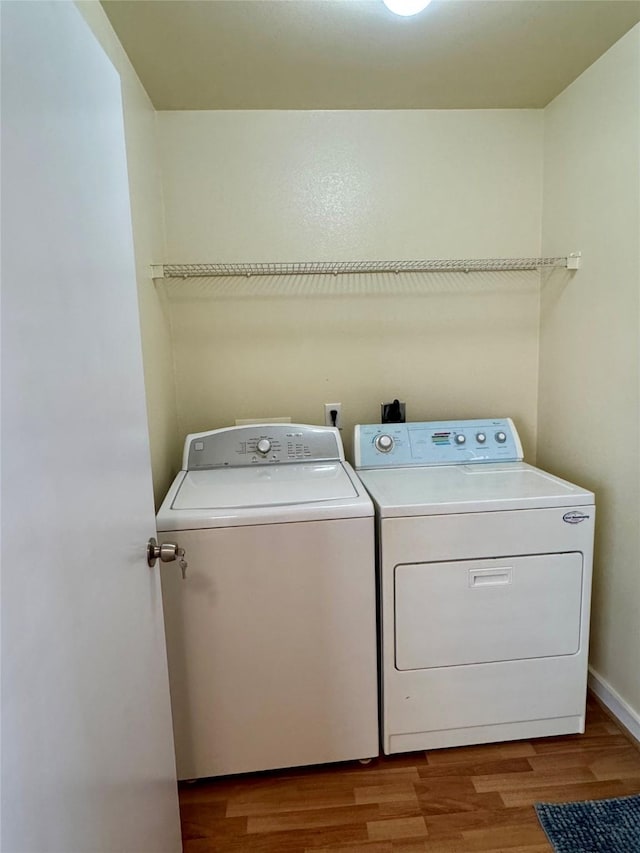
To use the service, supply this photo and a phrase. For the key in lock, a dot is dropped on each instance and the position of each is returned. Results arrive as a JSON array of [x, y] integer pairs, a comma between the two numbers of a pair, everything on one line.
[[166, 553]]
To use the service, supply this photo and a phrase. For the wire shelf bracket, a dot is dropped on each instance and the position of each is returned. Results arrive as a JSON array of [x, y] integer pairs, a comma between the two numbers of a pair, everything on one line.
[[246, 270]]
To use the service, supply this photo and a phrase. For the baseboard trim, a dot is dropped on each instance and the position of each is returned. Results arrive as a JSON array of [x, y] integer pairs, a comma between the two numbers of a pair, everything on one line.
[[624, 714]]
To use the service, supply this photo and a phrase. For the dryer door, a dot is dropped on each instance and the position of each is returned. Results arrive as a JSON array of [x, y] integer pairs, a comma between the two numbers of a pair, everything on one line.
[[481, 611]]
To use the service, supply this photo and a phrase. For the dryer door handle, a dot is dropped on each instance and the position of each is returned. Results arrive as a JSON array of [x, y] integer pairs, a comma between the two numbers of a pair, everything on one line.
[[490, 577]]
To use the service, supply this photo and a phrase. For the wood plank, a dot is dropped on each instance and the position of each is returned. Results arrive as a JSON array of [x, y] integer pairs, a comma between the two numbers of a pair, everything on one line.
[[505, 837], [454, 823], [366, 847], [293, 841], [297, 803], [400, 793], [623, 764], [552, 761], [310, 819], [409, 845], [569, 793], [579, 743], [477, 768], [405, 808], [484, 752], [200, 820], [433, 803], [405, 827], [532, 779]]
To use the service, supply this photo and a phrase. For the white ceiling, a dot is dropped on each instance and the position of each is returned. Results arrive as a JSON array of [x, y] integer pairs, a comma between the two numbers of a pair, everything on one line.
[[355, 54]]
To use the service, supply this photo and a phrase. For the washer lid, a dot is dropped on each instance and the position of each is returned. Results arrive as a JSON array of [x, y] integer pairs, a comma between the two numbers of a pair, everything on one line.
[[263, 494], [263, 486], [469, 488]]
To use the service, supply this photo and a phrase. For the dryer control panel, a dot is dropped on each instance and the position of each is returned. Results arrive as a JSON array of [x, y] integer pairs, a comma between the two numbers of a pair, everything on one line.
[[261, 444], [436, 443]]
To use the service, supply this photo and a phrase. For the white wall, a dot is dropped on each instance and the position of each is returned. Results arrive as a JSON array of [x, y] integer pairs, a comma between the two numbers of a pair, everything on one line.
[[589, 426], [148, 230], [296, 186]]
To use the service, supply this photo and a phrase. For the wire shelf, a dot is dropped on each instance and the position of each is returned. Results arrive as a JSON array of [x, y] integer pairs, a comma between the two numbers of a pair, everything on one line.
[[354, 267]]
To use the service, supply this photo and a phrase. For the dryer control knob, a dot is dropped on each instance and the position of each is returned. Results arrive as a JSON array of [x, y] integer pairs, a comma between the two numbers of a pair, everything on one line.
[[460, 439], [263, 446], [501, 437], [384, 443], [481, 437]]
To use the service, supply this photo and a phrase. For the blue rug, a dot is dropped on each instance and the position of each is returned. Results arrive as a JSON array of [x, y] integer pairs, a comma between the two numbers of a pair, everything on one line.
[[594, 826]]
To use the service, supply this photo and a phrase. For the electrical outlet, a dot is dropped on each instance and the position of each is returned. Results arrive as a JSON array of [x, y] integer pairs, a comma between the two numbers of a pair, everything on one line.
[[393, 413], [331, 419]]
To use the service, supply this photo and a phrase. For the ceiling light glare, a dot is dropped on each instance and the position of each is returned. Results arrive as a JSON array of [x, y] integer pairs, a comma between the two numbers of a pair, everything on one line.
[[406, 7]]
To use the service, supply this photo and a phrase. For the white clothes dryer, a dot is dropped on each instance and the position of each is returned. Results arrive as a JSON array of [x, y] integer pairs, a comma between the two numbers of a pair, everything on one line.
[[271, 637], [485, 582]]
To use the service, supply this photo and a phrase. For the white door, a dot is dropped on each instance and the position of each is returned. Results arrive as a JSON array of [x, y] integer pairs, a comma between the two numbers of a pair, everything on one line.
[[87, 751]]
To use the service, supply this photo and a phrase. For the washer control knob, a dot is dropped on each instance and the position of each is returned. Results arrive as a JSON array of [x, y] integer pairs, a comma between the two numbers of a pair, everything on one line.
[[384, 443], [263, 446], [501, 437], [460, 439], [481, 437]]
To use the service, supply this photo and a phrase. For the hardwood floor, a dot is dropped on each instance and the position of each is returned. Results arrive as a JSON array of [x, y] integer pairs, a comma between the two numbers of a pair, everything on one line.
[[477, 798]]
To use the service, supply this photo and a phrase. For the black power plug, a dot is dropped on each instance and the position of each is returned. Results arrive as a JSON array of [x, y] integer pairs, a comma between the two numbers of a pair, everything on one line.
[[393, 413]]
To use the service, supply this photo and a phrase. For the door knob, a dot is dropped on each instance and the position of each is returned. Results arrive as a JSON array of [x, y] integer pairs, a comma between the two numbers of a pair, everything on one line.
[[166, 553]]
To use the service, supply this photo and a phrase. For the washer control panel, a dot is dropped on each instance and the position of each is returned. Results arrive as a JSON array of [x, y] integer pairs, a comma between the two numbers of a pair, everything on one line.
[[261, 444], [436, 443]]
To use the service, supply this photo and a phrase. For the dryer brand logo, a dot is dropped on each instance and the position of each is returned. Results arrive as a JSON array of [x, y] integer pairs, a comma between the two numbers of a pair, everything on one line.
[[574, 517]]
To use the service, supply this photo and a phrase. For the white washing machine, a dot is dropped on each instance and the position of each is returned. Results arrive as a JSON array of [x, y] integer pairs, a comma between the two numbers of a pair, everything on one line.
[[485, 581], [271, 636]]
